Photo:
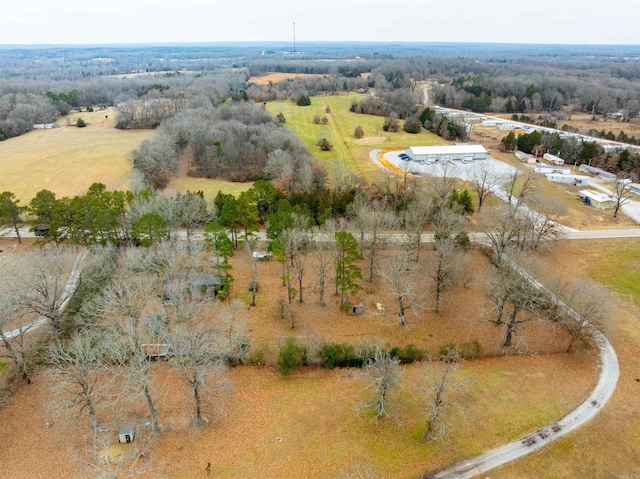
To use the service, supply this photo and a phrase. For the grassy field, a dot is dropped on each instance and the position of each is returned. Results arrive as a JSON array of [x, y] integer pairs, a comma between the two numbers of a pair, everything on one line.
[[608, 446], [68, 160], [339, 131]]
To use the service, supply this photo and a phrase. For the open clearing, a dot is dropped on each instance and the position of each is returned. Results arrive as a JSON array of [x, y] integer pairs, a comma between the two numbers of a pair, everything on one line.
[[68, 160], [277, 77]]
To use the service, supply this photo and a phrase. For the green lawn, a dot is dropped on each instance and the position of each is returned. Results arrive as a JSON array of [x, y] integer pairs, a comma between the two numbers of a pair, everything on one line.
[[339, 131], [618, 267]]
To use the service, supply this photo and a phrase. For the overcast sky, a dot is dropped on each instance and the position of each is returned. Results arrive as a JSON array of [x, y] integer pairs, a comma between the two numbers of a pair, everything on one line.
[[165, 21]]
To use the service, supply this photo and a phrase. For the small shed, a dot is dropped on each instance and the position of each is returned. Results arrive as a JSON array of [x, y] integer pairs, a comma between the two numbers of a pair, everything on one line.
[[261, 255], [357, 308], [126, 434]]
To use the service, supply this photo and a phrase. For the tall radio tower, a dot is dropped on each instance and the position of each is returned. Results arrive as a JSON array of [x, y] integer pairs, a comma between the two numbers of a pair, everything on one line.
[[294, 38]]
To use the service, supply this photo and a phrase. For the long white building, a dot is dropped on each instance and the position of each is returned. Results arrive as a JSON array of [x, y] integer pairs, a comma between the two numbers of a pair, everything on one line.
[[449, 152]]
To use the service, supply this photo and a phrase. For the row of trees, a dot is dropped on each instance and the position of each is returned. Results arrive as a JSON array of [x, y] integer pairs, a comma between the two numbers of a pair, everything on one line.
[[574, 151]]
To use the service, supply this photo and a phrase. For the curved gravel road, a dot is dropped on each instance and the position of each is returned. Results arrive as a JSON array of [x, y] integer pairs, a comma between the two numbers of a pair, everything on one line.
[[609, 374]]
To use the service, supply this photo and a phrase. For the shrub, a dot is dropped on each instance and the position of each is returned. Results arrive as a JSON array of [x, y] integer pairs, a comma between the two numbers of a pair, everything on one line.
[[280, 117], [325, 120], [412, 126], [316, 119], [470, 349], [391, 125], [409, 354], [291, 356], [358, 132], [327, 109], [324, 144], [447, 350], [303, 100], [462, 240], [81, 123], [339, 355], [90, 109]]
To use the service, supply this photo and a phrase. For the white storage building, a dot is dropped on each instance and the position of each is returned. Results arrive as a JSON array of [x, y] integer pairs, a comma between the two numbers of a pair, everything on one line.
[[450, 152]]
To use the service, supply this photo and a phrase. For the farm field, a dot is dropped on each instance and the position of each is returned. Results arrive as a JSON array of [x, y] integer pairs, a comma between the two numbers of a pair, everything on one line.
[[305, 424], [276, 77], [67, 160], [347, 150]]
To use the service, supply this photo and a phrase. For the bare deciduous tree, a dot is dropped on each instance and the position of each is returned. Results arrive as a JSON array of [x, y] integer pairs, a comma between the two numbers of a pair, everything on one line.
[[540, 221], [15, 343], [443, 269], [382, 375], [414, 219], [322, 252], [484, 182], [524, 184], [125, 302], [513, 287], [621, 195], [78, 377], [440, 382], [201, 351], [405, 284], [42, 282], [503, 227], [586, 303], [373, 220]]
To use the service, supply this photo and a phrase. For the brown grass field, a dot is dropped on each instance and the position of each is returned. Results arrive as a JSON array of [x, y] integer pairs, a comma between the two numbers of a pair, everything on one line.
[[68, 160], [305, 424], [276, 77]]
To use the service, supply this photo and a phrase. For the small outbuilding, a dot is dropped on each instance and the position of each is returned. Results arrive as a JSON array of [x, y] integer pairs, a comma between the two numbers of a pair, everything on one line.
[[126, 434], [357, 308]]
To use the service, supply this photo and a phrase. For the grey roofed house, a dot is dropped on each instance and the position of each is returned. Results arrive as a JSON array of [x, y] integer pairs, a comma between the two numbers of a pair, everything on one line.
[[210, 282]]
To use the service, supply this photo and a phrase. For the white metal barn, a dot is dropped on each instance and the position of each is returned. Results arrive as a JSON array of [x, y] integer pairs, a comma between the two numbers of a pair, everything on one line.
[[450, 152], [576, 180]]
